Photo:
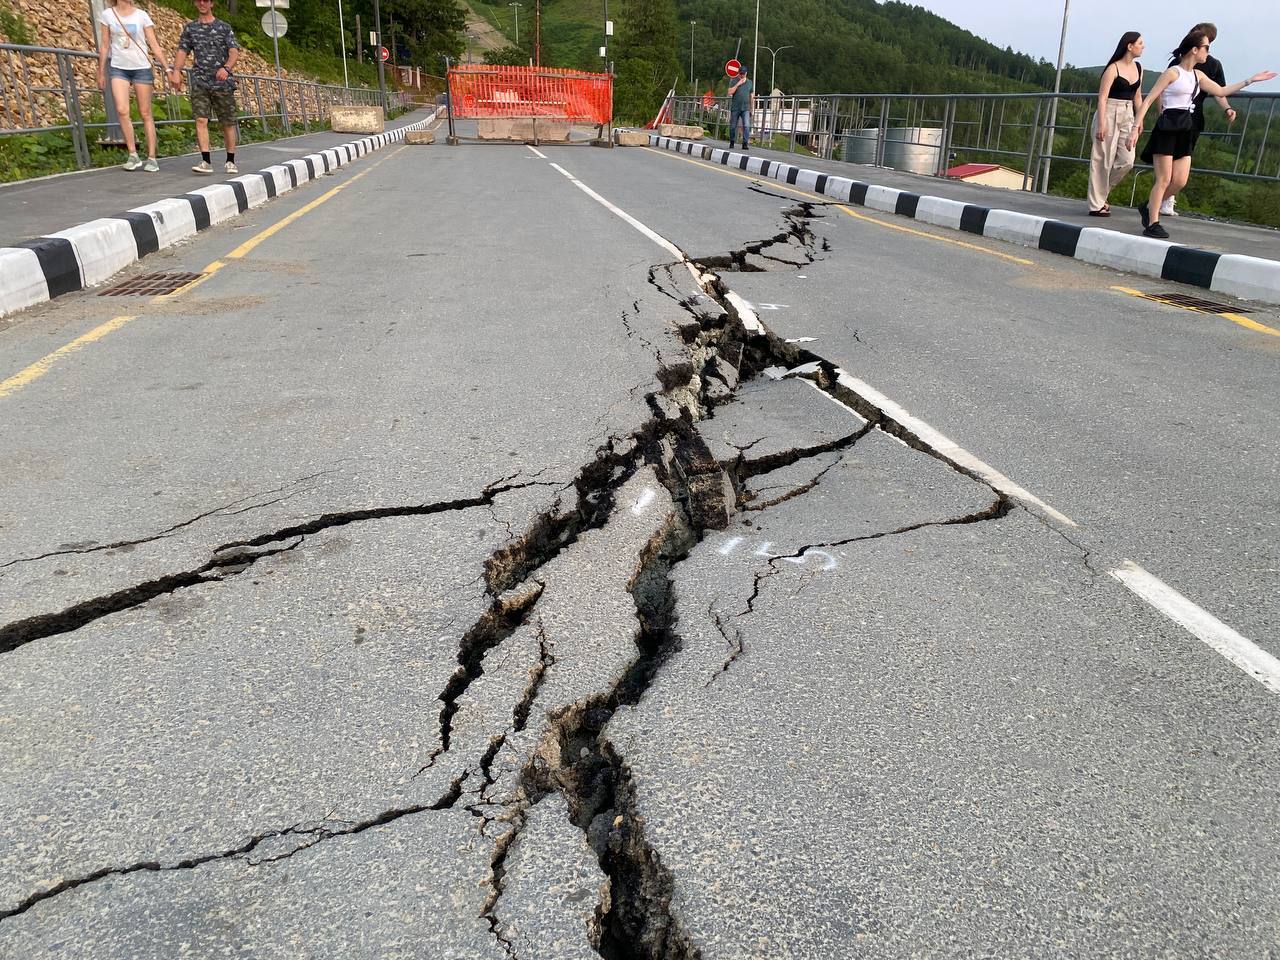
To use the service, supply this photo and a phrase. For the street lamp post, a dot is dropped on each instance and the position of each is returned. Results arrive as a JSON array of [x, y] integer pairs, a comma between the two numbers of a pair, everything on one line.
[[773, 61], [755, 54], [517, 6], [1057, 88], [773, 66], [692, 24]]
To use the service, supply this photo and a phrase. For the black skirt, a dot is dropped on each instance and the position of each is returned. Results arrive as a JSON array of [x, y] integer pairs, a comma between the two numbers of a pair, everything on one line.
[[1165, 143]]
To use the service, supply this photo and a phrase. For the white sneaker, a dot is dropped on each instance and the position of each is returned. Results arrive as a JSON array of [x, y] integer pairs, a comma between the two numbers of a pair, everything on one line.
[[230, 167], [133, 163], [1166, 208], [203, 167], [151, 166]]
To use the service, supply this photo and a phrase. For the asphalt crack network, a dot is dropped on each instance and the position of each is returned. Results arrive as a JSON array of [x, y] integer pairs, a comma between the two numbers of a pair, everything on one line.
[[722, 349]]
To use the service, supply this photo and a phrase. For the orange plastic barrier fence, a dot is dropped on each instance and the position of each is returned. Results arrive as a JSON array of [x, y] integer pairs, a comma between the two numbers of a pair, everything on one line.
[[481, 91]]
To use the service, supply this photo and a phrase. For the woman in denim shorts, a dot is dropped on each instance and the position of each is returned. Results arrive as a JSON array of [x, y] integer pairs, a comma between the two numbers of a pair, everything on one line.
[[126, 33]]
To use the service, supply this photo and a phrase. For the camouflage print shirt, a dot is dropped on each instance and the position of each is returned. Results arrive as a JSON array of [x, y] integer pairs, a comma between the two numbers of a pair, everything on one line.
[[211, 43]]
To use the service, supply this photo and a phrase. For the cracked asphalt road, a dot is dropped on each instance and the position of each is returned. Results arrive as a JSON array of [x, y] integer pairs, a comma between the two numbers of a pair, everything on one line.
[[456, 576]]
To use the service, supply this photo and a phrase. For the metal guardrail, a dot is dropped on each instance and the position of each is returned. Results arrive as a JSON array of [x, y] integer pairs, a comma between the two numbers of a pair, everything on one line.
[[30, 105], [1018, 129]]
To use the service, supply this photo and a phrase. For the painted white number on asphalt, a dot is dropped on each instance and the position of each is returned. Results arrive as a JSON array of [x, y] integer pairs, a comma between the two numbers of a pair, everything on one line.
[[764, 548]]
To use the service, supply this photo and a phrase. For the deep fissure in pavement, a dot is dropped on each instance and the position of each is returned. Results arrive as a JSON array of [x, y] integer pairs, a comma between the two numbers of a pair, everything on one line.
[[722, 352]]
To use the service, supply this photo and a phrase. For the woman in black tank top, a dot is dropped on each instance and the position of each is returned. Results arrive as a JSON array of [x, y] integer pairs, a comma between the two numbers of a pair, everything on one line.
[[1115, 130]]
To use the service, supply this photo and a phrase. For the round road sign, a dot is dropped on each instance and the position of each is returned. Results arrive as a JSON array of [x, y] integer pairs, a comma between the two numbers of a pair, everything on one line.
[[274, 24], [732, 68], [384, 54]]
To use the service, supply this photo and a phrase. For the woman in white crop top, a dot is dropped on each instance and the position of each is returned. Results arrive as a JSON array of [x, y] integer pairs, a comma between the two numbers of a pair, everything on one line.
[[1169, 145], [126, 45]]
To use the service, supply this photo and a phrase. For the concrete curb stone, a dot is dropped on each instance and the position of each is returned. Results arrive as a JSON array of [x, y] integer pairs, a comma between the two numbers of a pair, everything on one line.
[[90, 253]]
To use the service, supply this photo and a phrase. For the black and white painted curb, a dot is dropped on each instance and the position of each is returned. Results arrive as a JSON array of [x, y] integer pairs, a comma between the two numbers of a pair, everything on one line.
[[85, 255], [1251, 278]]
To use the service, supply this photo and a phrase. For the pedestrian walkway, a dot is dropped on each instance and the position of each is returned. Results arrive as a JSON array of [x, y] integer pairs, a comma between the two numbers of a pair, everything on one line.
[[37, 208], [1196, 232]]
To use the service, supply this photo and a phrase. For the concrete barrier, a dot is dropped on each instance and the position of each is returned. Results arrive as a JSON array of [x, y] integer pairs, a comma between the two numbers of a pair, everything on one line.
[[351, 119], [682, 130], [631, 138], [420, 136]]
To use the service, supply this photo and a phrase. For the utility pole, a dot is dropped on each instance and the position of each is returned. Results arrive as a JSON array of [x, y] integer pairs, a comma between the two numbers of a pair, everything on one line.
[[342, 36], [537, 32], [382, 76], [755, 54], [359, 41], [517, 6], [1057, 89], [692, 24]]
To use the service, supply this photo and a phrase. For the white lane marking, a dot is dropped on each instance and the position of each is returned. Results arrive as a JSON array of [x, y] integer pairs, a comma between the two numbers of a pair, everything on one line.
[[751, 321], [947, 447], [799, 339], [536, 151], [1241, 651], [659, 240], [639, 506]]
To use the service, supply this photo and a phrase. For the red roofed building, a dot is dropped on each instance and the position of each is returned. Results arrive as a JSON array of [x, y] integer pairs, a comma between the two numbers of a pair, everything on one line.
[[987, 174]]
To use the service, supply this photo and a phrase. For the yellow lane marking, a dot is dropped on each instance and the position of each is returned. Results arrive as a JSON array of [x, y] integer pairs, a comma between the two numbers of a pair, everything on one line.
[[1233, 317], [247, 247], [38, 369], [853, 213]]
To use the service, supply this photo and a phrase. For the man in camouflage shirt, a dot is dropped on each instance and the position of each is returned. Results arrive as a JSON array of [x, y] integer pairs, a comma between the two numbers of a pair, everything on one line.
[[213, 89]]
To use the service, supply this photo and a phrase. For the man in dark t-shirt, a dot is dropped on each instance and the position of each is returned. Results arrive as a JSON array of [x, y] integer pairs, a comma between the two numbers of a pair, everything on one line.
[[213, 87], [741, 102], [1211, 68]]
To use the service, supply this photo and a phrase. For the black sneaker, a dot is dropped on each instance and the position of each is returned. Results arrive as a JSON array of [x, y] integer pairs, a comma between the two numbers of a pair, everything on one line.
[[1157, 231], [1145, 213]]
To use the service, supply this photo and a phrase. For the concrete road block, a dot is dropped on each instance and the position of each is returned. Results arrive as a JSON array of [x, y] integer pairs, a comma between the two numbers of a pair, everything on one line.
[[495, 128], [1251, 278], [420, 136], [349, 119], [682, 130], [632, 138]]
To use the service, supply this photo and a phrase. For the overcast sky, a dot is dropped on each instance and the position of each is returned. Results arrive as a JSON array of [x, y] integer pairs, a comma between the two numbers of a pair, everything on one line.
[[1248, 30]]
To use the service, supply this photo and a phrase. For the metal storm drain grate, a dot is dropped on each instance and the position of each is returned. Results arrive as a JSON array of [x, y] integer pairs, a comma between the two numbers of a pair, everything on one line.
[[149, 285], [1189, 302]]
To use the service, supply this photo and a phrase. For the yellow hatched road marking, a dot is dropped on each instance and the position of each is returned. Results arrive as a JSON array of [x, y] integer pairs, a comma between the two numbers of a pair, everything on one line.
[[42, 366], [1233, 317], [839, 206]]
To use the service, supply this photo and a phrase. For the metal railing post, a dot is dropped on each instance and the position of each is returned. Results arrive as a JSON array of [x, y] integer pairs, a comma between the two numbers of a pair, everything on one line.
[[882, 131], [1028, 178], [1266, 132], [71, 101], [1244, 131]]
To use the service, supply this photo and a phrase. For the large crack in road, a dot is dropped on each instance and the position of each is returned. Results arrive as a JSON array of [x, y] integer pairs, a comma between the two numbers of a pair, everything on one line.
[[562, 747]]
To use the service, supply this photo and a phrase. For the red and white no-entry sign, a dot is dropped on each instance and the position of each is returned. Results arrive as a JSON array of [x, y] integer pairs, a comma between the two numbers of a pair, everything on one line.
[[732, 68], [384, 54]]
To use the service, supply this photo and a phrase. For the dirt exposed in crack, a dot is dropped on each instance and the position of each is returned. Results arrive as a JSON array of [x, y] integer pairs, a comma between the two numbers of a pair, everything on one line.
[[791, 249]]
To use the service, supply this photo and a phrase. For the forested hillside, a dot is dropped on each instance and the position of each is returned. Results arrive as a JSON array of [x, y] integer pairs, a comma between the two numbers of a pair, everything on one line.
[[835, 45]]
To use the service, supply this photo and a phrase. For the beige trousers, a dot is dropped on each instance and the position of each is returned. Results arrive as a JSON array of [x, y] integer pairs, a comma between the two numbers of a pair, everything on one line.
[[1112, 157]]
